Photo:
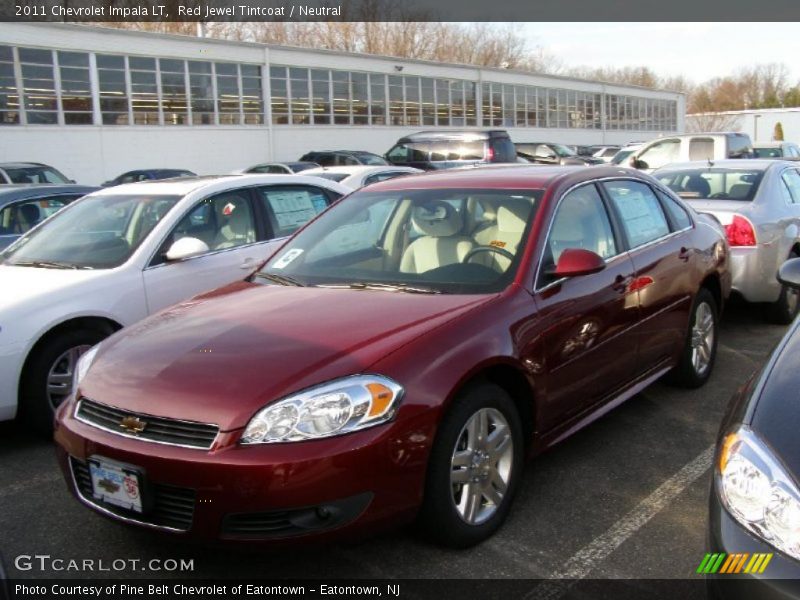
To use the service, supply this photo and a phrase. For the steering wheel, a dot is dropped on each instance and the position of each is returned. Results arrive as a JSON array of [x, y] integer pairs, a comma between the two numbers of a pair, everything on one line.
[[479, 249]]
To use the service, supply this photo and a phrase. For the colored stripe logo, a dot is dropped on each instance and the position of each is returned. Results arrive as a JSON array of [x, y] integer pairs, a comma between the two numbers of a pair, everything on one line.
[[741, 562]]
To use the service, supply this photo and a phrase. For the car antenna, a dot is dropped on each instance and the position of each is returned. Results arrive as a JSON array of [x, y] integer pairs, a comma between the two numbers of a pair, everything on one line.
[[710, 162]]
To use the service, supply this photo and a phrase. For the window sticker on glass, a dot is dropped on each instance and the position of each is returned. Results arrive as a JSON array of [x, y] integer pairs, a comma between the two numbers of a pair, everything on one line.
[[292, 208], [287, 258]]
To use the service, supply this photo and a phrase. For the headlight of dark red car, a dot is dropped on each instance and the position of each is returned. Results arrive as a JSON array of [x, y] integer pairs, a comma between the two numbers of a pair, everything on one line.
[[334, 408], [758, 492]]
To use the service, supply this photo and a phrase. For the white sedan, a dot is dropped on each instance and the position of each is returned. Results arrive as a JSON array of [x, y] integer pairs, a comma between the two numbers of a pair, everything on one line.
[[122, 253], [358, 176]]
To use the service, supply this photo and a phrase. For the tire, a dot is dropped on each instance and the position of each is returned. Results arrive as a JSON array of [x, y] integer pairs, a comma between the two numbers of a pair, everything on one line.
[[784, 309], [57, 356], [700, 349], [450, 515]]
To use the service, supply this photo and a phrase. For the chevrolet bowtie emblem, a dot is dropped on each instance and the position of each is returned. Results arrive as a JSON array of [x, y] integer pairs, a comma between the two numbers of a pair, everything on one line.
[[133, 425]]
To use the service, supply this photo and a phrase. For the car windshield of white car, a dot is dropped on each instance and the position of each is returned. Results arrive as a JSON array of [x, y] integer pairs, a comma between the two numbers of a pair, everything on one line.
[[97, 232], [712, 183], [416, 241]]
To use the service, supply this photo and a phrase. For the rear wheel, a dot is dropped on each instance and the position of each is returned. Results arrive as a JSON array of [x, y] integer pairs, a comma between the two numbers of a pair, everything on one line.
[[474, 468], [47, 381], [700, 348], [784, 309]]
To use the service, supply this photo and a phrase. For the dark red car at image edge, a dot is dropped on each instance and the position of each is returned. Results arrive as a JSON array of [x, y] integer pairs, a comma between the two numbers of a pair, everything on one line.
[[399, 357]]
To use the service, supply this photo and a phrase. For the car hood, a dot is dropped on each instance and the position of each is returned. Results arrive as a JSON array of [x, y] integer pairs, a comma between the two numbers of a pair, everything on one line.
[[221, 357], [775, 417], [22, 285]]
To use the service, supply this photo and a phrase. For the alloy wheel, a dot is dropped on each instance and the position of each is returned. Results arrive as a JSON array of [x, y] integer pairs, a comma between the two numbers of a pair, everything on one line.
[[59, 378], [702, 338]]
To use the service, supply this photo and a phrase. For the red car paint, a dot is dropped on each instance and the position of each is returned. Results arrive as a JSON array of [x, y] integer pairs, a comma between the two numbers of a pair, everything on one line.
[[568, 353]]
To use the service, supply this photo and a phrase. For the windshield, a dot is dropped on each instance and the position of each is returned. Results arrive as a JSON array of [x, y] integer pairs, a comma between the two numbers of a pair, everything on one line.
[[369, 159], [98, 232], [35, 175], [562, 150], [774, 152], [621, 155], [434, 241], [713, 183]]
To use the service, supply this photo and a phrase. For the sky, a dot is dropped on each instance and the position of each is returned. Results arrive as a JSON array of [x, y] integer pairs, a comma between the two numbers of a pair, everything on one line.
[[698, 51]]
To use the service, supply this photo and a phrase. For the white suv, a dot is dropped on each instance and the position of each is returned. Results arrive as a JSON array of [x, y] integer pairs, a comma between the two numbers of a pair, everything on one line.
[[122, 253], [690, 147]]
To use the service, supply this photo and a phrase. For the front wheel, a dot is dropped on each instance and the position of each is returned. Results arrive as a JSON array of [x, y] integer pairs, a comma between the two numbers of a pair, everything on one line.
[[47, 381], [700, 348], [474, 468], [784, 309]]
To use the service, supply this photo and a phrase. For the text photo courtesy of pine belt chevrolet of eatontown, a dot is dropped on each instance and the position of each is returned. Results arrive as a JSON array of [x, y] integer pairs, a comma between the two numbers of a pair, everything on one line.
[[398, 311]]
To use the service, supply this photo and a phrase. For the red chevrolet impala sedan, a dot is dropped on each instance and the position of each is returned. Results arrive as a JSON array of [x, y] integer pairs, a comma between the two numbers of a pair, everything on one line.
[[400, 356]]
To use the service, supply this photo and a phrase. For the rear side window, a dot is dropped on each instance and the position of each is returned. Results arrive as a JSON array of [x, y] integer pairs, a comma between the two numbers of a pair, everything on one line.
[[792, 180], [701, 149], [640, 212], [504, 150], [291, 207], [678, 215]]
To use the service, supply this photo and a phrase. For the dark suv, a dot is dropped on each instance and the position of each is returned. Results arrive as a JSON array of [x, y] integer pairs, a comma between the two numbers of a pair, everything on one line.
[[342, 158], [432, 150]]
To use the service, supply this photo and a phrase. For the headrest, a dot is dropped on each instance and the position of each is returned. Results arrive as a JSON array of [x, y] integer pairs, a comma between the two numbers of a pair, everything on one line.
[[698, 184], [739, 191], [437, 219], [512, 218]]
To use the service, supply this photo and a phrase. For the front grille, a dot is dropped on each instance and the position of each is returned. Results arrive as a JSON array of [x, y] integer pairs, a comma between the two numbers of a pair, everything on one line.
[[170, 506], [156, 429]]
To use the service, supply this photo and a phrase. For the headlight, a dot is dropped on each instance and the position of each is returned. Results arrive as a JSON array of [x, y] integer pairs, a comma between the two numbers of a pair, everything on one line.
[[758, 492], [84, 362], [334, 408]]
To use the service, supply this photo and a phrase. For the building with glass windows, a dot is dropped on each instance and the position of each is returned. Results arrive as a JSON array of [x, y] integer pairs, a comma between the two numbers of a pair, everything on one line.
[[95, 102]]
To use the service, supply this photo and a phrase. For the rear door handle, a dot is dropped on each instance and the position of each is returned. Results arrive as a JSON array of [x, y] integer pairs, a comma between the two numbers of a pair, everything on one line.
[[248, 263], [621, 283]]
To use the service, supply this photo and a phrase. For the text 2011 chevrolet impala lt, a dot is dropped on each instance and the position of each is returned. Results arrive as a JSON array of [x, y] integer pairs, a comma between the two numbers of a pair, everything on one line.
[[401, 355]]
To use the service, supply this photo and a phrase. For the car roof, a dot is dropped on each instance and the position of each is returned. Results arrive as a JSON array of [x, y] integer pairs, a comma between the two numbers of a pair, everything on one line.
[[458, 134], [185, 185], [729, 163], [20, 165], [17, 191], [770, 144], [358, 169], [507, 177]]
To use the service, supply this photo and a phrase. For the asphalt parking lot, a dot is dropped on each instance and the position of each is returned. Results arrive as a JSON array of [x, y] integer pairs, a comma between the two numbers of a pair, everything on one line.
[[625, 498]]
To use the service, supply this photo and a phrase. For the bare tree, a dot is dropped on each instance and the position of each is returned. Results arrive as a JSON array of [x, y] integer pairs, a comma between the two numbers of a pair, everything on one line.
[[708, 122]]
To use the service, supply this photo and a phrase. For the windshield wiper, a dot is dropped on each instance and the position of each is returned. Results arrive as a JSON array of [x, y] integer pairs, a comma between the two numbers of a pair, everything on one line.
[[282, 279], [48, 264], [390, 287]]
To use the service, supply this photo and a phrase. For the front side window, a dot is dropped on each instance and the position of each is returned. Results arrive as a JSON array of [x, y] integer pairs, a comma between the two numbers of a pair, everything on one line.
[[415, 240], [99, 232], [660, 154], [640, 212], [581, 221]]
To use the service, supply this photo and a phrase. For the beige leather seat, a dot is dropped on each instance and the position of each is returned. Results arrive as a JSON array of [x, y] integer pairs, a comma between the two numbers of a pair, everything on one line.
[[442, 242], [505, 233], [237, 231]]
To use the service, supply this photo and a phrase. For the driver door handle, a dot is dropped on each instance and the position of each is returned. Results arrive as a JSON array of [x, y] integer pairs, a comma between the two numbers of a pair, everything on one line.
[[248, 263]]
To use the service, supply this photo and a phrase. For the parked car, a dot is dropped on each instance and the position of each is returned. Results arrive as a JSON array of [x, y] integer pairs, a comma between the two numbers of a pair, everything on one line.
[[350, 384], [433, 150], [624, 153], [776, 150], [606, 153], [30, 172], [22, 207], [357, 177], [148, 175], [755, 499], [286, 168], [581, 150], [691, 147], [335, 158], [548, 153], [758, 202], [115, 256]]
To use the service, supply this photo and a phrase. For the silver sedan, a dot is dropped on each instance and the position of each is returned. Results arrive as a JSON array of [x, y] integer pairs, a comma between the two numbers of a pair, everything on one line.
[[758, 203]]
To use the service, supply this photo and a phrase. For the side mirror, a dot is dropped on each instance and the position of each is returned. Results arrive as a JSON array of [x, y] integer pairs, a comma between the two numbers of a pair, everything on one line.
[[575, 262], [789, 273], [186, 248], [637, 163]]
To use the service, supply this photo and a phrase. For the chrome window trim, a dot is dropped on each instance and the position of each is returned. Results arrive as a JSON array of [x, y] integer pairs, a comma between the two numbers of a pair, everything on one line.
[[109, 513], [141, 439]]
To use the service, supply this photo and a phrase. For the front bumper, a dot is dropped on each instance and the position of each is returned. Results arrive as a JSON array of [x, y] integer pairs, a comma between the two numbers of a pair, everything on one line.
[[754, 273], [781, 578], [342, 486]]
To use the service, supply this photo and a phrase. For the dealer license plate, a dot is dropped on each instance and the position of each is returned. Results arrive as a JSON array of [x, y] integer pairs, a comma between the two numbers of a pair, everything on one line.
[[116, 484]]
